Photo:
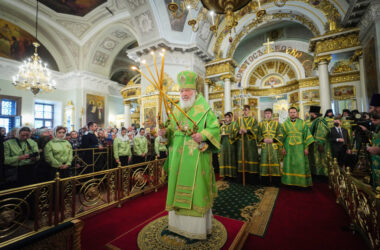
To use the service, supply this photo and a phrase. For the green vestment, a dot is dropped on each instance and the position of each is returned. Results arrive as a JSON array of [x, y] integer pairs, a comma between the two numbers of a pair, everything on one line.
[[227, 159], [330, 122], [270, 162], [191, 179], [376, 159], [347, 124], [318, 161], [251, 155], [297, 138]]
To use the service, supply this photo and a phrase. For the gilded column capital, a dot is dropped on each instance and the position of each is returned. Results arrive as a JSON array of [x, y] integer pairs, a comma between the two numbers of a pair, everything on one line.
[[127, 102], [208, 82], [227, 76], [358, 54], [322, 60]]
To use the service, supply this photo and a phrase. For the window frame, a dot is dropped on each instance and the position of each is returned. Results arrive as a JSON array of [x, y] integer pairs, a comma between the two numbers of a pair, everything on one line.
[[43, 113]]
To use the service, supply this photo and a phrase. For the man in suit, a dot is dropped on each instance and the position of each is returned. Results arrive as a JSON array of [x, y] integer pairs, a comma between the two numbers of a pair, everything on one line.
[[340, 142], [90, 140]]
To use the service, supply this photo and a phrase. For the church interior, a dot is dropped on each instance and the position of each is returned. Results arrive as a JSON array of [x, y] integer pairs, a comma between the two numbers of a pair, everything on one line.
[[66, 64]]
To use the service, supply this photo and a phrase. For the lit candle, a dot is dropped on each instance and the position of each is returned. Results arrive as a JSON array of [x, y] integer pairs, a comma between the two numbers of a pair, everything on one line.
[[259, 4], [212, 16], [188, 7]]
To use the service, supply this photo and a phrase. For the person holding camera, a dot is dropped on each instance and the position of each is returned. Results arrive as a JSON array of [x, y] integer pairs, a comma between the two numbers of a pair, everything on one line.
[[58, 153], [21, 152]]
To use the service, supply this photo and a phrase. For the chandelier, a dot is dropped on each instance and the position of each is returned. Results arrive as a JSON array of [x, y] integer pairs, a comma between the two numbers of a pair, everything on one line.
[[216, 9], [33, 74]]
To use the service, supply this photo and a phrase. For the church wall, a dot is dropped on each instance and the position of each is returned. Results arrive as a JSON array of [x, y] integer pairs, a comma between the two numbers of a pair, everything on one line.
[[58, 98]]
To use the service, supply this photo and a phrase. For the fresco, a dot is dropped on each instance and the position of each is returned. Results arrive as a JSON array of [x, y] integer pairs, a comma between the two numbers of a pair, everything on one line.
[[17, 44], [73, 7], [177, 22]]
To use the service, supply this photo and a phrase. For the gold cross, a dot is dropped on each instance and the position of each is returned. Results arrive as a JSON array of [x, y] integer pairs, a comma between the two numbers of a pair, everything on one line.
[[269, 48]]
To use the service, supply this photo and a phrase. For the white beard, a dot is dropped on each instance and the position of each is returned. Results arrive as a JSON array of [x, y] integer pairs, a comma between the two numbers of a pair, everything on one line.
[[186, 105]]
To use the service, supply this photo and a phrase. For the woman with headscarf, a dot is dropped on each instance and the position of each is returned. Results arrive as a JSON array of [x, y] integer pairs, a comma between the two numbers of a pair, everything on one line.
[[140, 146], [59, 153], [122, 148]]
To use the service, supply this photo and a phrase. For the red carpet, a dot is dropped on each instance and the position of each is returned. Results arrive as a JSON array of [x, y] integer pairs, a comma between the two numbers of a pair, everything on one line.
[[128, 240], [302, 219], [307, 219], [106, 226]]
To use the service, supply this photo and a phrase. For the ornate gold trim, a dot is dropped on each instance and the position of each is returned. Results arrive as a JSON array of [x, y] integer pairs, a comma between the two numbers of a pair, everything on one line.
[[345, 77], [335, 41], [216, 95], [273, 91], [308, 82], [225, 66]]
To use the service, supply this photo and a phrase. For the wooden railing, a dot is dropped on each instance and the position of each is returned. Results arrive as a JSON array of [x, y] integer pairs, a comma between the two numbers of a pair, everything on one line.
[[27, 210], [361, 202]]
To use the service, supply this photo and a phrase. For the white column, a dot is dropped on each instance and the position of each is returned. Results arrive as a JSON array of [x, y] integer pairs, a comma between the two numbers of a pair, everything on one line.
[[127, 114], [205, 89], [227, 95], [324, 85], [363, 88]]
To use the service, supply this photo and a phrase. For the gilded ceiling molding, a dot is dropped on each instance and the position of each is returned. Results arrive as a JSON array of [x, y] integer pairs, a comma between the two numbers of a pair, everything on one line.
[[342, 39], [216, 95], [328, 9], [308, 82], [219, 67], [294, 85], [255, 22], [345, 77]]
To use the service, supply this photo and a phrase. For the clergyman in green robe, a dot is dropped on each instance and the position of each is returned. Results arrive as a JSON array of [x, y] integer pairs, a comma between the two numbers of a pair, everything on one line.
[[227, 159], [297, 138], [248, 128], [191, 179], [318, 156], [329, 118], [375, 151], [270, 137]]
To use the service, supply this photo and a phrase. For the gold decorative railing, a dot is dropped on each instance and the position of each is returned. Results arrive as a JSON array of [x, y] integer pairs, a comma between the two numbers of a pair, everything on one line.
[[91, 159], [27, 210], [360, 201]]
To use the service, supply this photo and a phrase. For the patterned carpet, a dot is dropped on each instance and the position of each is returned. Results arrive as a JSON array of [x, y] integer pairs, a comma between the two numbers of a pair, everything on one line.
[[156, 235], [252, 203]]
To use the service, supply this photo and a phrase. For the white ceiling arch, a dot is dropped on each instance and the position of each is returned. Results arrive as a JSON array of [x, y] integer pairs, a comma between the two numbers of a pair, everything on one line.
[[304, 11], [106, 45]]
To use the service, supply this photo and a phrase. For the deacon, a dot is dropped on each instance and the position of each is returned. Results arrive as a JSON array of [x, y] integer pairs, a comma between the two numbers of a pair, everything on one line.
[[246, 131], [347, 122], [227, 160], [319, 149], [329, 118], [191, 180], [297, 138], [270, 137]]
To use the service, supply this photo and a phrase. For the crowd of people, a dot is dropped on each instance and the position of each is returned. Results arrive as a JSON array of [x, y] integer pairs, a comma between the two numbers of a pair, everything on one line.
[[36, 155], [293, 152]]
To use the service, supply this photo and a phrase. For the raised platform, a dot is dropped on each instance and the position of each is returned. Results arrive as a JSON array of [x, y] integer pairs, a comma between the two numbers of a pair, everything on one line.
[[232, 232]]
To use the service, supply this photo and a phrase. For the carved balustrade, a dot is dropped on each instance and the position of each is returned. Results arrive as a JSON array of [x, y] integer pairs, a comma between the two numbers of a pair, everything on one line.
[[28, 210], [361, 202]]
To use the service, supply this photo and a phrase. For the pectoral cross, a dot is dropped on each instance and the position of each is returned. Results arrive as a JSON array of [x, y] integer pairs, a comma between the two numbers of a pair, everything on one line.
[[269, 48]]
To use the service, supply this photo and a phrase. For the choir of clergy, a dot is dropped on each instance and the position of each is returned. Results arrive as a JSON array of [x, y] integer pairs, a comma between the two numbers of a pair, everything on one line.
[[290, 152]]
